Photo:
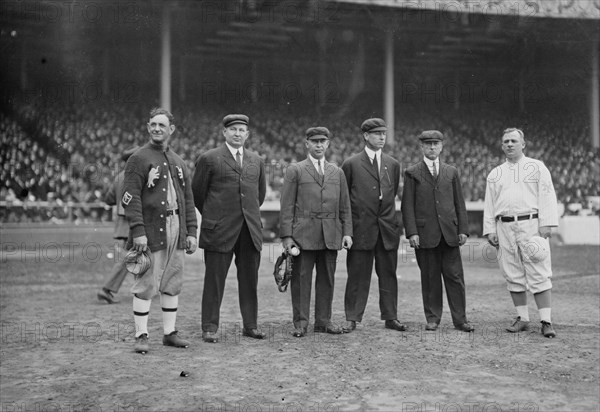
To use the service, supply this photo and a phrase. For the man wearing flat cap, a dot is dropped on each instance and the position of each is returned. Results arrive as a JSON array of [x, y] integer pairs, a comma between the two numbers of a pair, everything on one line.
[[229, 186], [373, 179], [315, 217], [435, 220]]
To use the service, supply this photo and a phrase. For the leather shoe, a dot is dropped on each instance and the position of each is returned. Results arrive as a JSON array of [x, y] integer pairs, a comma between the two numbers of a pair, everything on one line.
[[141, 343], [349, 326], [395, 324], [107, 295], [173, 340], [334, 330], [253, 333], [548, 330], [518, 325], [210, 337], [299, 332], [431, 326], [465, 327]]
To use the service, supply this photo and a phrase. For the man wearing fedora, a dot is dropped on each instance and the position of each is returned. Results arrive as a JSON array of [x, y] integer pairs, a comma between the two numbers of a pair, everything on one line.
[[229, 186], [435, 220], [315, 217], [158, 203], [373, 179]]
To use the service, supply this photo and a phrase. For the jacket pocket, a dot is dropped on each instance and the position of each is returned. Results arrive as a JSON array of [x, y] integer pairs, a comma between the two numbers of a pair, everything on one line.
[[420, 222], [208, 224]]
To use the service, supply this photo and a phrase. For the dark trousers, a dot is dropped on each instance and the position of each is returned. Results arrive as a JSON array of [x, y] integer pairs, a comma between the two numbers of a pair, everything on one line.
[[325, 262], [360, 268], [119, 271], [247, 261], [442, 261]]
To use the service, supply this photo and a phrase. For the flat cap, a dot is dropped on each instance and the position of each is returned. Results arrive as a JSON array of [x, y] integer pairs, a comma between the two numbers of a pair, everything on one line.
[[317, 133], [231, 119], [373, 125], [128, 152], [428, 135]]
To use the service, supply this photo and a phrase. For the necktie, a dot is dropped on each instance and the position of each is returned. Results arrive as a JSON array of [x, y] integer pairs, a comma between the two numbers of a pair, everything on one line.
[[435, 173], [320, 168], [376, 167], [238, 158]]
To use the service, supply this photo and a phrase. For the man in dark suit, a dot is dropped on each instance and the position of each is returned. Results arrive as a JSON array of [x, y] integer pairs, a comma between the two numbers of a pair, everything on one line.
[[315, 217], [229, 186], [435, 220], [373, 179]]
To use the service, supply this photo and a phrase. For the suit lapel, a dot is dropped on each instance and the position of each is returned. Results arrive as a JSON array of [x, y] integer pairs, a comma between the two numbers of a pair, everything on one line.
[[425, 172], [310, 168], [228, 158], [366, 163]]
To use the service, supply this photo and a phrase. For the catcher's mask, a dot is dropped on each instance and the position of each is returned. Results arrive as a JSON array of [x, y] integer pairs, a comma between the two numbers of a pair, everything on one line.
[[283, 271]]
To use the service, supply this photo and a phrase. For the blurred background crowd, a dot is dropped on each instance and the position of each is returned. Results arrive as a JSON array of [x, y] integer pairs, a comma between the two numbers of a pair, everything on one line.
[[54, 156]]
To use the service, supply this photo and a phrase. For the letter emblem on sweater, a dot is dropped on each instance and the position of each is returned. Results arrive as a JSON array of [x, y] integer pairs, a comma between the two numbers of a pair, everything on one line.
[[126, 198], [153, 175], [180, 174]]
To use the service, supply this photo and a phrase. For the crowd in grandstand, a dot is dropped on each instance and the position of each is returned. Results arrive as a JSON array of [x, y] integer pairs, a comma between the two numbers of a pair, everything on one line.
[[60, 155]]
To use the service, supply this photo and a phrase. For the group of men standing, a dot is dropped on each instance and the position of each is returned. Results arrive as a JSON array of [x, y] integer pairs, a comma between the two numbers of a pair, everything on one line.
[[325, 208]]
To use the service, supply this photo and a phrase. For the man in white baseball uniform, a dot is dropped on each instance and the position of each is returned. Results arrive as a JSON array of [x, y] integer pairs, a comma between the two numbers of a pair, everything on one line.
[[520, 204]]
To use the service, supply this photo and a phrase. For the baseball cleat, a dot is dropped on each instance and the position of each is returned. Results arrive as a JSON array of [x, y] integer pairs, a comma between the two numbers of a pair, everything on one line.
[[548, 330], [518, 325], [173, 340], [141, 343]]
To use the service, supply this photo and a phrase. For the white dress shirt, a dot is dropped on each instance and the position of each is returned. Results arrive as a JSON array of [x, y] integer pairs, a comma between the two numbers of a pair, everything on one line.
[[431, 164]]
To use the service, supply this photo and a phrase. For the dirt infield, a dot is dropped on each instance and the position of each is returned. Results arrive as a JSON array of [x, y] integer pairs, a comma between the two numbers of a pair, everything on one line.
[[62, 350]]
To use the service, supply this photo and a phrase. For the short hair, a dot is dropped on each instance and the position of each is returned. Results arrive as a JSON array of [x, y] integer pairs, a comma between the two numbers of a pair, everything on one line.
[[514, 129], [155, 111]]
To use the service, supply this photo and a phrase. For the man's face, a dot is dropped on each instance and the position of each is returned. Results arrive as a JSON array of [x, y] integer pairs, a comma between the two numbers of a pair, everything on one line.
[[160, 129], [375, 140], [316, 147], [513, 145], [432, 148], [236, 135]]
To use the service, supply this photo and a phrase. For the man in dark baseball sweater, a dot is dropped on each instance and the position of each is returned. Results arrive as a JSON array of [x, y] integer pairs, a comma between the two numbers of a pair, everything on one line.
[[159, 205]]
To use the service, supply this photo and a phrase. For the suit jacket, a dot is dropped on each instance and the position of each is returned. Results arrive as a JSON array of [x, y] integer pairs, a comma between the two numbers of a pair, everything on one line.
[[370, 216], [226, 196], [315, 210], [432, 208]]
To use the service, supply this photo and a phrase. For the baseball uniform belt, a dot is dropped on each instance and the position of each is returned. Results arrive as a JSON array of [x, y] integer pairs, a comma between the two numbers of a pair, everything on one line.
[[172, 212], [519, 217]]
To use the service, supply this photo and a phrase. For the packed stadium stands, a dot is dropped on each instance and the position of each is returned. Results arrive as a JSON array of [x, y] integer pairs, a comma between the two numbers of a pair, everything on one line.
[[58, 154]]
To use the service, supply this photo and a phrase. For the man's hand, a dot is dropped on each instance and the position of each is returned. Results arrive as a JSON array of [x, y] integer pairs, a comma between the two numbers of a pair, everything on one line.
[[347, 242], [140, 243], [462, 239], [288, 243], [190, 244], [414, 241], [545, 231], [493, 239]]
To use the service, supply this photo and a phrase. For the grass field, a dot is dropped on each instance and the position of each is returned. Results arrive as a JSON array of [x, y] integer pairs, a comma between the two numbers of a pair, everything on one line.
[[61, 349]]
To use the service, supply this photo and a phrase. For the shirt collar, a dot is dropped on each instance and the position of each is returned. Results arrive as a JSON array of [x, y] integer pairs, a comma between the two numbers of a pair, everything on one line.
[[314, 161], [372, 153], [233, 150], [430, 163]]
